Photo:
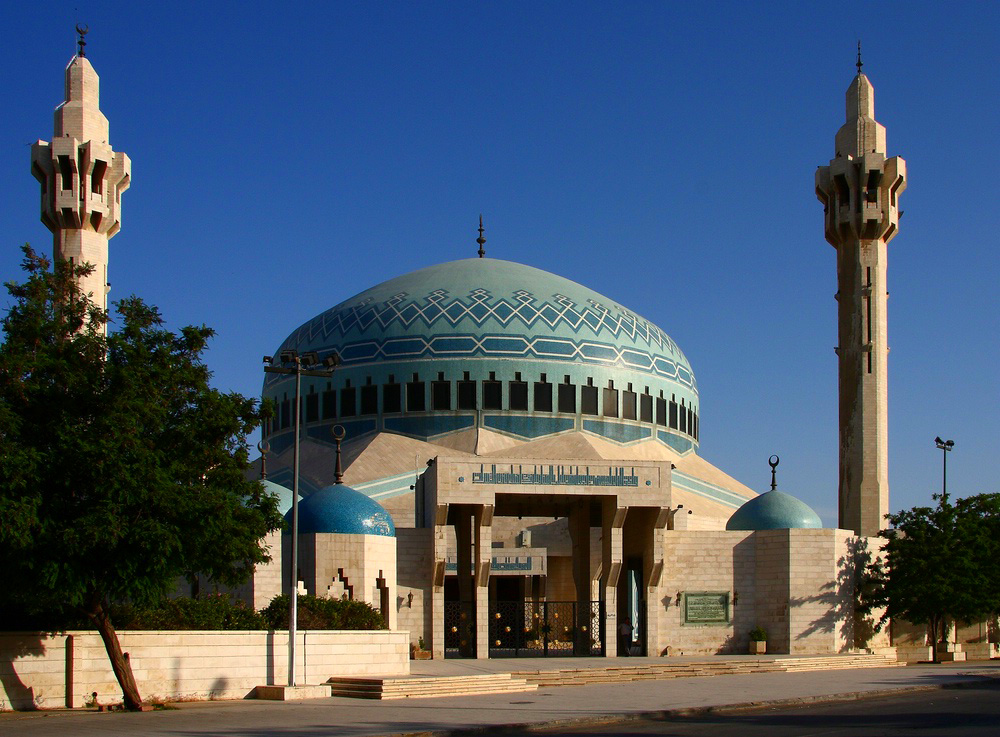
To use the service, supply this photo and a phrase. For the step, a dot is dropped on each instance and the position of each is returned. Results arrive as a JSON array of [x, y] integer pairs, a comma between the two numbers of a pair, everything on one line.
[[427, 686]]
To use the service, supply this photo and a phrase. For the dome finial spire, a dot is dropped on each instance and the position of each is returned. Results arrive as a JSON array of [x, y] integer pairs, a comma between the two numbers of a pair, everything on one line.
[[338, 435], [773, 463], [81, 29], [263, 446], [859, 63], [481, 240]]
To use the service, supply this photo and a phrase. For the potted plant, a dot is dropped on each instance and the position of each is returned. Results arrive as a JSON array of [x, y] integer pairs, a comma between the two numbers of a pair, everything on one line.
[[419, 651], [758, 641]]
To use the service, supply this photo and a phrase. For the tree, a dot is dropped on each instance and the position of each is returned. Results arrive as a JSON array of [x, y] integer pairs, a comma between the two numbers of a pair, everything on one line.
[[941, 564], [123, 469]]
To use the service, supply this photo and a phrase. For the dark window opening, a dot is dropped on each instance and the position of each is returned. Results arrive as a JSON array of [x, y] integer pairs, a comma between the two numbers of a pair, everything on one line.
[[440, 394], [392, 398], [518, 393], [66, 172], [492, 395], [629, 405], [416, 401], [543, 395], [683, 417], [588, 398], [369, 399], [661, 411], [610, 400], [312, 407], [97, 177], [466, 394], [567, 397], [286, 411], [348, 401], [329, 403], [673, 414], [646, 408]]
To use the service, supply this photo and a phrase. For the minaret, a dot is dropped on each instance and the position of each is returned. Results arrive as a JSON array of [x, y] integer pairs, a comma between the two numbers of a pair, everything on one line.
[[82, 178], [860, 194]]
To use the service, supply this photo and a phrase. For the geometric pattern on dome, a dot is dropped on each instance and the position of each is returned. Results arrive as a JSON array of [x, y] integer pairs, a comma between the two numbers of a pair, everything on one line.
[[480, 306], [507, 346]]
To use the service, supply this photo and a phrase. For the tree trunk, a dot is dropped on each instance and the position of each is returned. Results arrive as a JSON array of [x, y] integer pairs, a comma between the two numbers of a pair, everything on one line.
[[120, 664]]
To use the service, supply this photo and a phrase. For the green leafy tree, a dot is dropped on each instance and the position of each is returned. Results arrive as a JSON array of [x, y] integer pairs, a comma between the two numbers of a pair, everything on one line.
[[941, 564], [123, 469]]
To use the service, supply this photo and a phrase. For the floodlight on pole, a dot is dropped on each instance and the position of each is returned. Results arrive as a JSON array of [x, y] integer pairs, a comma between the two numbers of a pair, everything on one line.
[[301, 365], [945, 447]]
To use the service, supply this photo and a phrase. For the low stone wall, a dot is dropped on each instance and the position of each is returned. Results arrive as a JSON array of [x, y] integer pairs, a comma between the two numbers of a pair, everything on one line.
[[63, 670]]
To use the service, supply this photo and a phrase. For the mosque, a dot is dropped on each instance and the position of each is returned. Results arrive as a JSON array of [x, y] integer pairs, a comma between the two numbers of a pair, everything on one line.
[[507, 463]]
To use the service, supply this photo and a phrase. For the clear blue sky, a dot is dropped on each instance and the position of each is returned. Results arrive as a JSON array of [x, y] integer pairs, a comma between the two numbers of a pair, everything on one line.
[[286, 157]]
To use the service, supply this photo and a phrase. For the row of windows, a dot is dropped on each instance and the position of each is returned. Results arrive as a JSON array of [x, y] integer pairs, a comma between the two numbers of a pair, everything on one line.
[[545, 396]]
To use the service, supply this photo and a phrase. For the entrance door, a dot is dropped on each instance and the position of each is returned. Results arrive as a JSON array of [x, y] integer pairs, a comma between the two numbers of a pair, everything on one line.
[[526, 629]]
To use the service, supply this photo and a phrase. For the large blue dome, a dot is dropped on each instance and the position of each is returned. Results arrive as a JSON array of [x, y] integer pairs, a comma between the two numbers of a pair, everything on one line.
[[774, 510], [339, 508], [534, 353]]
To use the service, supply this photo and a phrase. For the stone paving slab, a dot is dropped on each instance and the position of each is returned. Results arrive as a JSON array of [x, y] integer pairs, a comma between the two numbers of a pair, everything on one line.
[[455, 715]]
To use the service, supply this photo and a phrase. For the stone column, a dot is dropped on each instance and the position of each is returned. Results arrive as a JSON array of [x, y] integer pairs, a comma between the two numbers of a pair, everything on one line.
[[439, 562], [483, 558], [612, 520], [579, 531]]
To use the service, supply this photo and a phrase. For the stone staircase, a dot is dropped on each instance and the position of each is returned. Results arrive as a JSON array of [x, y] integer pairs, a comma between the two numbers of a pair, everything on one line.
[[416, 687], [662, 671]]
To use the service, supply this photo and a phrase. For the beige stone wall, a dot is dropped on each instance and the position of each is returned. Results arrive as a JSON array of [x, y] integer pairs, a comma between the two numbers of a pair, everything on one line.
[[415, 563], [54, 671], [700, 561]]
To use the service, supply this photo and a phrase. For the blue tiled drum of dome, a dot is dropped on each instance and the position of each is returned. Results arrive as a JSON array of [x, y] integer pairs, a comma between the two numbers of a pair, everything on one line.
[[341, 509], [495, 338]]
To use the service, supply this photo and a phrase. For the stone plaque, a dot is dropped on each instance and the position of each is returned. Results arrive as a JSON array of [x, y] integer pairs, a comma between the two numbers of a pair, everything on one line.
[[707, 607]]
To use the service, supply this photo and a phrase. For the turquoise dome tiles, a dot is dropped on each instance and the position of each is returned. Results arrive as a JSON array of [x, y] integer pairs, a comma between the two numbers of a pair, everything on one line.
[[774, 510], [486, 307], [341, 509]]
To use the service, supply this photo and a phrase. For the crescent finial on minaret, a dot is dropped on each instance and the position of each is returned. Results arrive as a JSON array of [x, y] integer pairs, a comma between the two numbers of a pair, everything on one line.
[[481, 240], [81, 29], [859, 63]]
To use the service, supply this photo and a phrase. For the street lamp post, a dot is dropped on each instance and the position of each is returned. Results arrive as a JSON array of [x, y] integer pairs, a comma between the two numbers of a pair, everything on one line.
[[300, 366], [945, 446]]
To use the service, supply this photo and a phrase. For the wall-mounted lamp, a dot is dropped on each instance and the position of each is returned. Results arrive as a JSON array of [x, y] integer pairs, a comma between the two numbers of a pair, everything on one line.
[[736, 597], [678, 601], [409, 600]]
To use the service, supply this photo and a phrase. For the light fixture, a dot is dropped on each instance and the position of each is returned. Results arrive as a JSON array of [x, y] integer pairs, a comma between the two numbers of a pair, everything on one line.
[[409, 600]]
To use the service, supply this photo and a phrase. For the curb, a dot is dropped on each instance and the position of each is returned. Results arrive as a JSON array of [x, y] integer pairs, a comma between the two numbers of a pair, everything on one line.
[[681, 712]]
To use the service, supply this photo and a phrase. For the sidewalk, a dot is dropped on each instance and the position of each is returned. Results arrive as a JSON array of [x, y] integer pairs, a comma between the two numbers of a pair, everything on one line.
[[547, 706]]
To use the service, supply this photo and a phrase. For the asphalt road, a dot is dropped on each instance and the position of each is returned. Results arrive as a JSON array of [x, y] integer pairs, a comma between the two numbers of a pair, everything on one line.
[[972, 711]]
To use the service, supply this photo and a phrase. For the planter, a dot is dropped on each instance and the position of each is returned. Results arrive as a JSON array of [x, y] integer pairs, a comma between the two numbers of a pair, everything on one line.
[[758, 647], [421, 654]]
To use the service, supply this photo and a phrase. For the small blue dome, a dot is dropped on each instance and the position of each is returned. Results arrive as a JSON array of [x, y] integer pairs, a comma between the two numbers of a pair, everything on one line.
[[774, 510], [341, 509], [283, 493]]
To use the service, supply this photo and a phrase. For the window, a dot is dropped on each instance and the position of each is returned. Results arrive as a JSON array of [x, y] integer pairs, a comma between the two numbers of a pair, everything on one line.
[[392, 396], [646, 406], [588, 398], [661, 411], [440, 393], [610, 400], [673, 413], [286, 420], [416, 401], [518, 392], [66, 172], [567, 396], [543, 395], [628, 404], [97, 177], [369, 398], [466, 393], [329, 403], [683, 417], [348, 401], [492, 393], [312, 405]]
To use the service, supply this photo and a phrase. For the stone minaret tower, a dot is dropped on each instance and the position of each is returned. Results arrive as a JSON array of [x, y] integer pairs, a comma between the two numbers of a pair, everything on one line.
[[860, 194], [82, 178]]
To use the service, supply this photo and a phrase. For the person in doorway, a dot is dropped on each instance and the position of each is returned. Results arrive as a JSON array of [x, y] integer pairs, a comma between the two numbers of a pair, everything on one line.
[[625, 638]]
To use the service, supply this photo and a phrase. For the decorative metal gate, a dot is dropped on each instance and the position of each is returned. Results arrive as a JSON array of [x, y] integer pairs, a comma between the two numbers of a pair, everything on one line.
[[459, 629], [527, 629]]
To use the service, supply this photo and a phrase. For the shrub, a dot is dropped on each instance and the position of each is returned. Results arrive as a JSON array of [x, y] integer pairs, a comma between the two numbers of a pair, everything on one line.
[[320, 613], [758, 634], [212, 612]]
